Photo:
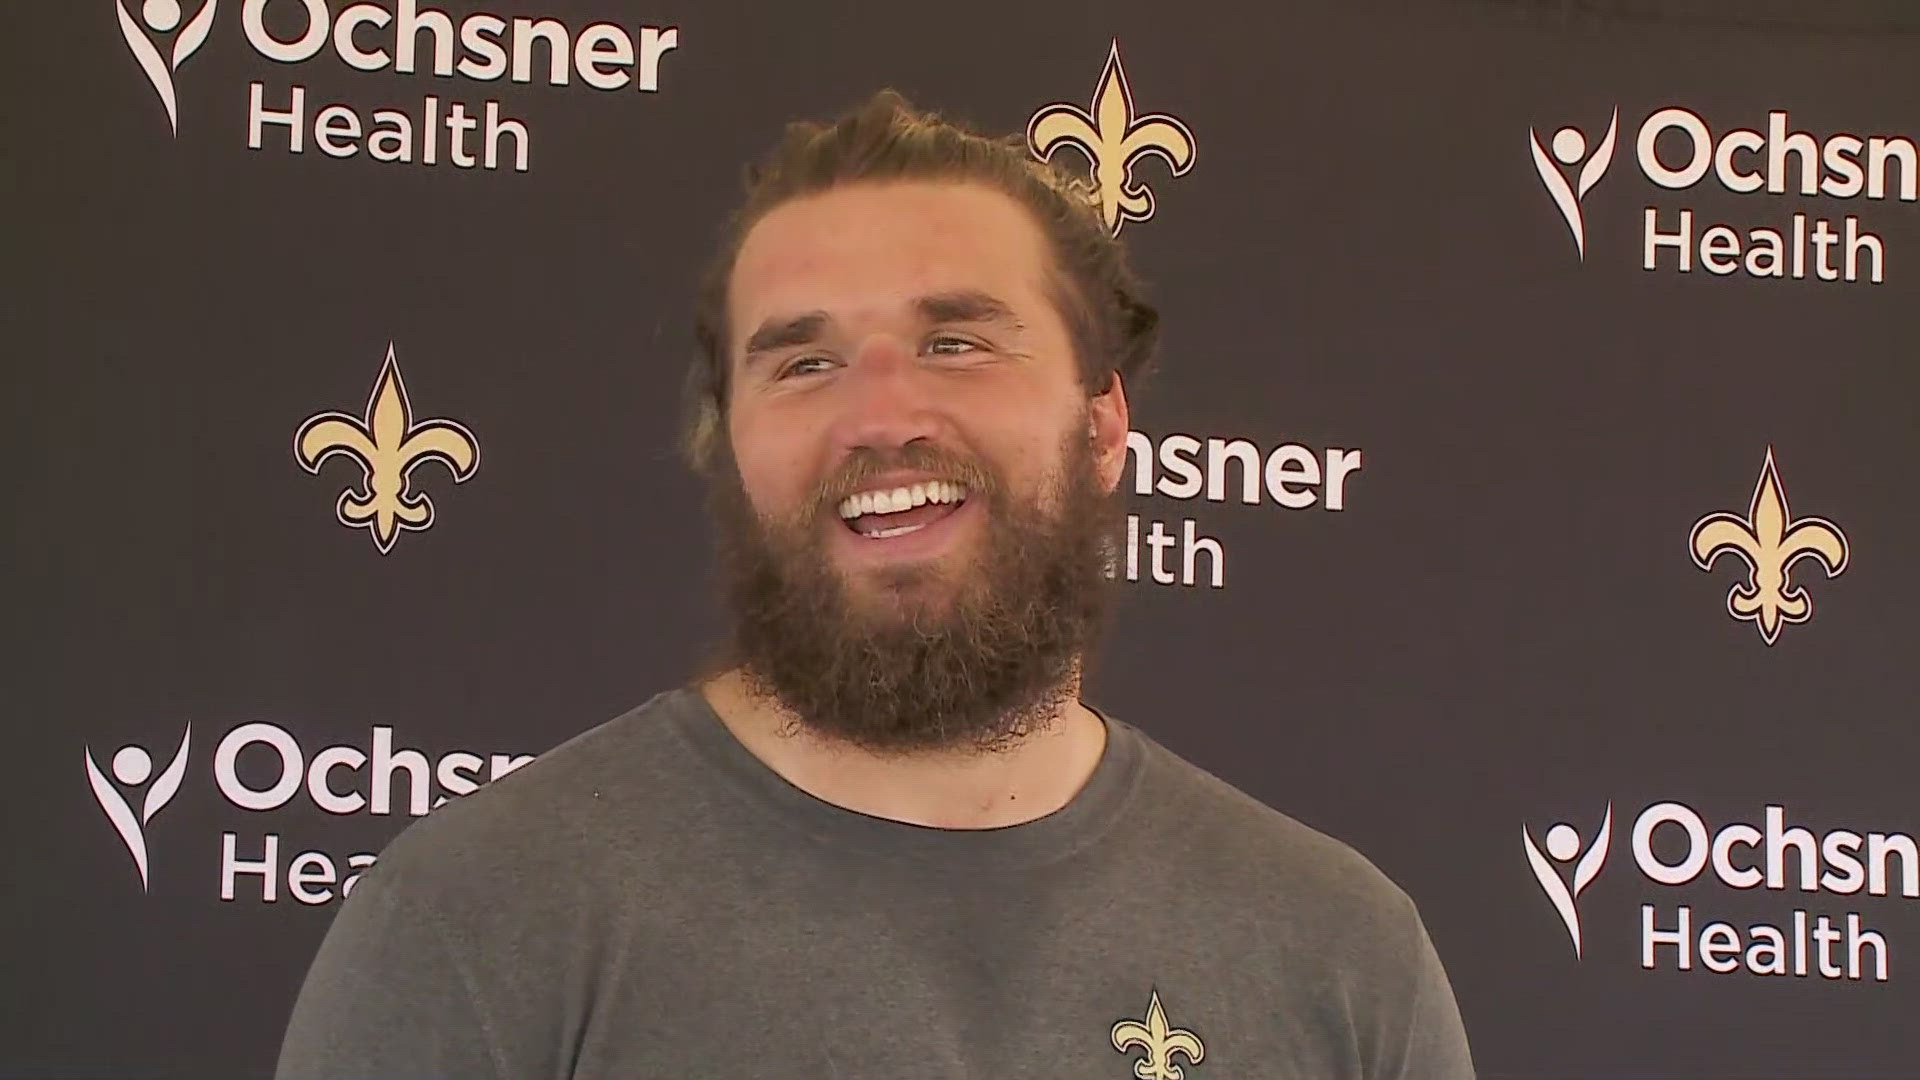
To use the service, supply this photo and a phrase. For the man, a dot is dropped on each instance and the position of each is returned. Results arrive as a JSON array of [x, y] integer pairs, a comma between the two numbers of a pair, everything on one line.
[[884, 837]]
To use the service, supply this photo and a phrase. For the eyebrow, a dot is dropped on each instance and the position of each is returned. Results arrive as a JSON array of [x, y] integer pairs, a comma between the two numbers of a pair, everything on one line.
[[955, 305]]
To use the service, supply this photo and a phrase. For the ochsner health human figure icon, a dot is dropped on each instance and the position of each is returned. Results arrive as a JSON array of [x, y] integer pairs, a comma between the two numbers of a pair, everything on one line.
[[1563, 844], [132, 765], [161, 17], [1569, 146]]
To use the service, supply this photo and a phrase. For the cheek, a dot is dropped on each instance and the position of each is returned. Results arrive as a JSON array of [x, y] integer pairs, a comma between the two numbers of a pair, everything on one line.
[[1030, 447], [773, 460]]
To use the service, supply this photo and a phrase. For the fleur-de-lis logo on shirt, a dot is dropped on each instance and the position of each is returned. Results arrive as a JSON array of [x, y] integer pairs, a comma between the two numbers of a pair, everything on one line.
[[388, 445], [1160, 1043], [1113, 138], [1770, 541]]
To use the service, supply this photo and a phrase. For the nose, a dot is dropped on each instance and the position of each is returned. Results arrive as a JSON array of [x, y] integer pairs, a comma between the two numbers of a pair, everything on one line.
[[887, 399]]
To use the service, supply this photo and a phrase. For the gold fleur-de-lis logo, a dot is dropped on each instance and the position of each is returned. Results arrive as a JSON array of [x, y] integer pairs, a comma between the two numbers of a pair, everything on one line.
[[1770, 540], [1113, 138], [388, 445], [1160, 1043]]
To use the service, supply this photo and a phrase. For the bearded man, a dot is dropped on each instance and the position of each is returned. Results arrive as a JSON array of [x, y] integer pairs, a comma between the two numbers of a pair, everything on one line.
[[882, 836]]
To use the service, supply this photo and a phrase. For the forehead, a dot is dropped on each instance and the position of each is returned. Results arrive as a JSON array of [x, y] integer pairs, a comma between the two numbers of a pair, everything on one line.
[[869, 247]]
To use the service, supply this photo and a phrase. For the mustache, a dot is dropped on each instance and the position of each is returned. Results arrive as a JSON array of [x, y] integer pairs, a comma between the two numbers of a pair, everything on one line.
[[865, 463]]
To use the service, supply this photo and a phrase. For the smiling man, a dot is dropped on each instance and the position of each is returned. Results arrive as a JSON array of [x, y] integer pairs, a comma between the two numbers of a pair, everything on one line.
[[912, 494], [882, 836]]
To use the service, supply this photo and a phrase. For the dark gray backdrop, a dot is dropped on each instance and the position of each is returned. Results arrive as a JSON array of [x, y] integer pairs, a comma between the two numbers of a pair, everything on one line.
[[1502, 628]]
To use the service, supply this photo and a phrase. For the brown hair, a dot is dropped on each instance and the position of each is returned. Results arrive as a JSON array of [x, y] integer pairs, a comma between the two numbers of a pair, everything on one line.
[[1101, 301]]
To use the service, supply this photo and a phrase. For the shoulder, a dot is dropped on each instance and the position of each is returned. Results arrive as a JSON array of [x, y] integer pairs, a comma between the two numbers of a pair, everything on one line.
[[550, 812], [1342, 944], [1301, 875]]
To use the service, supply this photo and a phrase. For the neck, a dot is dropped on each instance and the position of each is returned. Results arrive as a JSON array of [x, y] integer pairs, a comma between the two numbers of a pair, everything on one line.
[[946, 790]]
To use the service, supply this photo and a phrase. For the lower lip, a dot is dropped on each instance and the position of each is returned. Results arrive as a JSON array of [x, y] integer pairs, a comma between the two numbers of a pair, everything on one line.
[[929, 539]]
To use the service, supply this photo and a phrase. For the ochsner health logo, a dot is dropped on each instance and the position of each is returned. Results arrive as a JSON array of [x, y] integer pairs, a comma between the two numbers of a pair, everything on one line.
[[1675, 846], [448, 54], [132, 766], [1563, 844], [1569, 147], [163, 17], [1802, 174], [378, 778]]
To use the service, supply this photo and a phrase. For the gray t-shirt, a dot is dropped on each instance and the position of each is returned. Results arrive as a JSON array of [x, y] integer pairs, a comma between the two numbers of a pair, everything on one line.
[[648, 899]]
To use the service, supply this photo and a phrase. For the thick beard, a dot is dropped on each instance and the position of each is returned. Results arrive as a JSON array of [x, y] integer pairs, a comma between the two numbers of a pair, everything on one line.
[[977, 668]]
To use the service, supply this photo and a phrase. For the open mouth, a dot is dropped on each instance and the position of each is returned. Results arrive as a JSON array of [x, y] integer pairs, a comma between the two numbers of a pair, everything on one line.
[[889, 512]]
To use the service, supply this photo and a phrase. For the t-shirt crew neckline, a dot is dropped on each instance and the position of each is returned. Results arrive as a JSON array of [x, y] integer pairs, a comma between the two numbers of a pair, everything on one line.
[[1085, 817]]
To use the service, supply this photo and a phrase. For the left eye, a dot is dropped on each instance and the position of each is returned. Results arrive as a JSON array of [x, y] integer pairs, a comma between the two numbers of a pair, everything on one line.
[[795, 367], [954, 341]]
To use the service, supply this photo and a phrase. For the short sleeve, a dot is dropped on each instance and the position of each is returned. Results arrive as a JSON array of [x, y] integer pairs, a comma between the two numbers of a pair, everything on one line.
[[1435, 1047], [386, 997]]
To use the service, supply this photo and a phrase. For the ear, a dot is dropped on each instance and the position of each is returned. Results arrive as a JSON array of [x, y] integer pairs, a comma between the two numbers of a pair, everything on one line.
[[1107, 422]]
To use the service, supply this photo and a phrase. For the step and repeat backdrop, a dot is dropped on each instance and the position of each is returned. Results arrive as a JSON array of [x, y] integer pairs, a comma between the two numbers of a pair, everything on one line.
[[1525, 497]]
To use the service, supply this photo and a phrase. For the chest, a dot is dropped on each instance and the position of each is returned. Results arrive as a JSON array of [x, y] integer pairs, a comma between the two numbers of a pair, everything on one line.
[[956, 987]]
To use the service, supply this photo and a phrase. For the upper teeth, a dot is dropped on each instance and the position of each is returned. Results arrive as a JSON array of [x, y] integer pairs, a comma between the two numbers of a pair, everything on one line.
[[901, 498]]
